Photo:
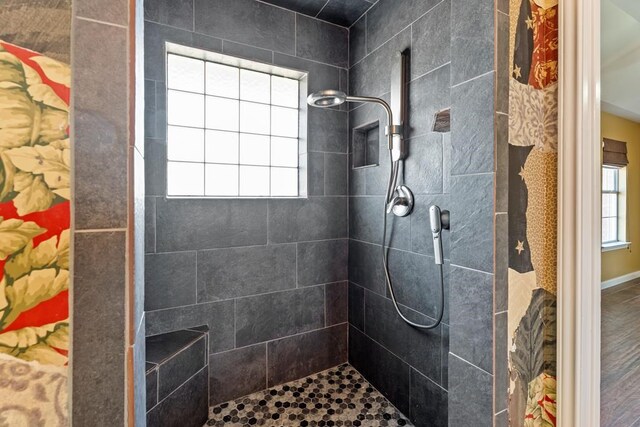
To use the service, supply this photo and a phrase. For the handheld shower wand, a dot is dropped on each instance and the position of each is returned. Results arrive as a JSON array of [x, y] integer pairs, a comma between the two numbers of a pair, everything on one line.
[[436, 231]]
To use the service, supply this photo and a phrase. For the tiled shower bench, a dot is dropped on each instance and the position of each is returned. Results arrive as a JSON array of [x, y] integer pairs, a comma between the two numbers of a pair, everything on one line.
[[177, 377]]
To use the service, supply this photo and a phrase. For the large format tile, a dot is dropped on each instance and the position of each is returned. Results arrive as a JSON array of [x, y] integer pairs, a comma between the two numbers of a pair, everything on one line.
[[151, 383], [236, 373], [295, 357], [431, 40], [366, 223], [358, 41], [428, 95], [238, 272], [416, 280], [320, 41], [421, 236], [372, 75], [471, 318], [186, 224], [240, 50], [472, 135], [388, 17], [155, 172], [423, 165], [472, 221], [163, 347], [336, 170], [386, 372], [176, 13], [470, 394], [429, 402], [308, 7], [356, 306], [315, 174], [98, 335], [276, 315], [327, 130], [365, 266], [218, 316], [472, 34], [187, 406], [262, 26], [182, 366], [322, 262], [320, 76], [101, 126], [113, 12], [419, 348], [170, 280], [155, 36], [149, 224], [298, 220], [337, 308]]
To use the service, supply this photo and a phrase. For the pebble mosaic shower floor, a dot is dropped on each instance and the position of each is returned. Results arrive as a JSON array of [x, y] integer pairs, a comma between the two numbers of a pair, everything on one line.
[[336, 397]]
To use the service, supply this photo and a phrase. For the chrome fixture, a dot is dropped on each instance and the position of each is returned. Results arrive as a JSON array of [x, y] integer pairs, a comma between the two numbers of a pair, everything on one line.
[[399, 198]]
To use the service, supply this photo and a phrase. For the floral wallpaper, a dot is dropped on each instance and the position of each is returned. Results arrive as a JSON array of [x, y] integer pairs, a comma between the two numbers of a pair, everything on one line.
[[35, 170], [533, 162]]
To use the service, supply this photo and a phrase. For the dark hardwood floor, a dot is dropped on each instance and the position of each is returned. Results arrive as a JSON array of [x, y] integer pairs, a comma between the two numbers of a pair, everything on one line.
[[620, 376]]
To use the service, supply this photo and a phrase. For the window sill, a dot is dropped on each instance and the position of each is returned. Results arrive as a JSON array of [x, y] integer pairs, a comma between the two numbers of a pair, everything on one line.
[[614, 246]]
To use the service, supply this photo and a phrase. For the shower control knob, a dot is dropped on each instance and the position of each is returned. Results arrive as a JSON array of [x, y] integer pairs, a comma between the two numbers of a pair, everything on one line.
[[402, 202]]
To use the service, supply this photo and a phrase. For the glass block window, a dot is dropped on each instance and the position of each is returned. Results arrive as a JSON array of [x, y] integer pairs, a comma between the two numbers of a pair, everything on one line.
[[232, 131], [612, 205]]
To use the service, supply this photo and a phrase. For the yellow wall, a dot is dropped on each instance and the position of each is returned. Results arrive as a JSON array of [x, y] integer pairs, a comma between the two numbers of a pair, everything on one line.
[[624, 261]]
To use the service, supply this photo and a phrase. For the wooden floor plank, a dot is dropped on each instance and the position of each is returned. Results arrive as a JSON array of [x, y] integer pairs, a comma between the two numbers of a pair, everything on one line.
[[620, 358]]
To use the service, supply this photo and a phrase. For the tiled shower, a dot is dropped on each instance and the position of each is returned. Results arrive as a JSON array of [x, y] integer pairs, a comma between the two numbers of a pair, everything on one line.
[[287, 288]]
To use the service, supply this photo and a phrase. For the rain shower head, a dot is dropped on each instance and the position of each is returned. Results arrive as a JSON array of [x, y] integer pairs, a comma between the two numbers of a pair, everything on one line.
[[327, 98]]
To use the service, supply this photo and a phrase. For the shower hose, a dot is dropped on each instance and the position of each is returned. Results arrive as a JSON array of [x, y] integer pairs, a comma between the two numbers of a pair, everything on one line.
[[393, 178]]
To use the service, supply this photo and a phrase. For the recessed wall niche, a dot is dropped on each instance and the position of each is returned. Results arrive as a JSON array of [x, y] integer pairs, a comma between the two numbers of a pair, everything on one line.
[[366, 145]]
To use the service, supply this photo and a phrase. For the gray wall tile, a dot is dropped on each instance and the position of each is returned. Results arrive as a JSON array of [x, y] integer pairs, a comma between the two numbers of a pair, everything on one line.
[[421, 236], [218, 316], [169, 280], [155, 36], [358, 41], [262, 26], [429, 402], [98, 335], [365, 266], [428, 95], [337, 307], [320, 41], [238, 272], [365, 223], [472, 221], [101, 123], [236, 373], [176, 13], [321, 76], [181, 367], [472, 33], [356, 306], [308, 7], [301, 355], [372, 75], [472, 135], [150, 224], [388, 17], [246, 51], [470, 394], [336, 170], [418, 348], [431, 40], [315, 174], [423, 165], [113, 12], [155, 167], [471, 306], [322, 262], [311, 219], [186, 406], [271, 316], [327, 130], [185, 224], [386, 372]]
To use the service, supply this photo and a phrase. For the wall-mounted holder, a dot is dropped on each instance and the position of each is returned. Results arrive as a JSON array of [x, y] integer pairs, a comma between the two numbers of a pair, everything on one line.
[[366, 145]]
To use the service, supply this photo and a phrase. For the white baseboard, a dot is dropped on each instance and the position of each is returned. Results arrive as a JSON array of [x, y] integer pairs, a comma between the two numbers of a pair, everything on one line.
[[620, 280]]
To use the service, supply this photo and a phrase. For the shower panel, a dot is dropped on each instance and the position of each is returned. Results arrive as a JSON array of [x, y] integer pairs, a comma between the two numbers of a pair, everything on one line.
[[399, 198]]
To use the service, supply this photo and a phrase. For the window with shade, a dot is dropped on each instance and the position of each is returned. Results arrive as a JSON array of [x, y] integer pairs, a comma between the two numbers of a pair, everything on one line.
[[232, 128], [614, 195]]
